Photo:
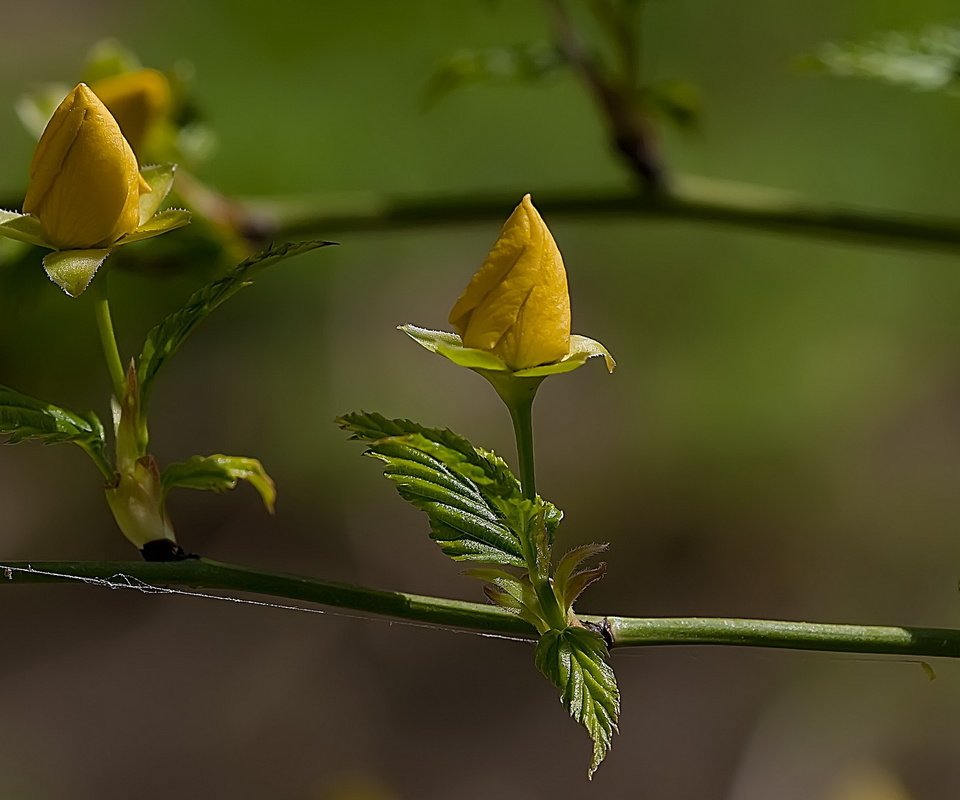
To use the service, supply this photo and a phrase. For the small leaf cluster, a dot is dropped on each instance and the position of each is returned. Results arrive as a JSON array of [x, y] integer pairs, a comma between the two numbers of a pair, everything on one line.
[[26, 418], [478, 513]]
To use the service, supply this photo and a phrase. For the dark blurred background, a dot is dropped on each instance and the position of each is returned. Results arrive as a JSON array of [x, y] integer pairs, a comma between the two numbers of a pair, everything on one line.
[[781, 438]]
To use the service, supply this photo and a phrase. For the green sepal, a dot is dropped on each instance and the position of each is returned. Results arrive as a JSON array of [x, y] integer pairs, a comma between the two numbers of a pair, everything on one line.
[[23, 417], [160, 179], [21, 227], [450, 346], [165, 338], [582, 349], [160, 223], [218, 473], [72, 270], [576, 661]]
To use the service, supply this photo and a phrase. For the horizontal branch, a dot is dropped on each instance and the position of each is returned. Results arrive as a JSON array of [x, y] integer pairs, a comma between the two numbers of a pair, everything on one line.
[[691, 199], [445, 613]]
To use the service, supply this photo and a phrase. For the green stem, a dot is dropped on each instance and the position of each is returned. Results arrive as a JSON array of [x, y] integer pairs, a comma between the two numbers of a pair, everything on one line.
[[521, 413], [838, 638], [444, 613], [518, 395], [108, 341]]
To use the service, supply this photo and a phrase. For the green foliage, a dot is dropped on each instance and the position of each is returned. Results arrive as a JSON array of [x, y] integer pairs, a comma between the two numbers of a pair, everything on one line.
[[677, 101], [109, 57], [165, 338], [23, 417], [468, 494], [218, 473], [477, 512], [512, 592], [568, 581], [928, 60], [575, 660], [505, 65]]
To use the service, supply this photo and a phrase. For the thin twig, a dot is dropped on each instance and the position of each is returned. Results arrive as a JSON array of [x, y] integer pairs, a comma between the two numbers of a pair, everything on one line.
[[631, 132], [444, 613]]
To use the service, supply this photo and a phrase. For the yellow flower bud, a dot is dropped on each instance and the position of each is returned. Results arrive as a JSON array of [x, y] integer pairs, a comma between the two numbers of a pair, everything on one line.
[[517, 305], [137, 99], [85, 186]]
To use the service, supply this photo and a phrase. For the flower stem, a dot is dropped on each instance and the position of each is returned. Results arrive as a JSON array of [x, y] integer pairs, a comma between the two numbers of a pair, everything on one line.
[[521, 413], [445, 613], [518, 395], [108, 341]]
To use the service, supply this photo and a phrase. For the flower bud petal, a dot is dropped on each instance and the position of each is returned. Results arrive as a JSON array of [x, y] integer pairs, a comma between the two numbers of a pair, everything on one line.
[[85, 186], [517, 305]]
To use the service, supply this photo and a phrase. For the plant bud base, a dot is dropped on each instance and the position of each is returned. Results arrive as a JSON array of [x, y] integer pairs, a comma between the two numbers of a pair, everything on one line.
[[165, 550]]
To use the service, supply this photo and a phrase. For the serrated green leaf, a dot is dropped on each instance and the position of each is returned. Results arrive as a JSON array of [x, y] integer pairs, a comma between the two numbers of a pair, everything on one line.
[[512, 592], [476, 508], [484, 468], [23, 417], [462, 522], [575, 660], [166, 337], [218, 473], [578, 582], [72, 270], [480, 466], [567, 582]]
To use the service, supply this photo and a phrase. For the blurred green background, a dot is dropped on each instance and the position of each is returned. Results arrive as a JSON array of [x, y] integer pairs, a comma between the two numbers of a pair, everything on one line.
[[781, 438]]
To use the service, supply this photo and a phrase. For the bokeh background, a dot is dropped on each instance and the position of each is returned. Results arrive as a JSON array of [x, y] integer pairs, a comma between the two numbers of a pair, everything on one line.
[[781, 438]]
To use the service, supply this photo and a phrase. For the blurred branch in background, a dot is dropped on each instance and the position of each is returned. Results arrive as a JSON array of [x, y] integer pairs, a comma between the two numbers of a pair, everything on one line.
[[690, 199], [610, 69], [615, 89], [445, 613]]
